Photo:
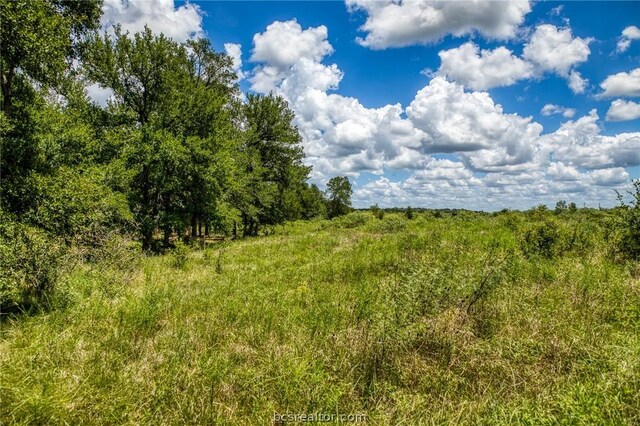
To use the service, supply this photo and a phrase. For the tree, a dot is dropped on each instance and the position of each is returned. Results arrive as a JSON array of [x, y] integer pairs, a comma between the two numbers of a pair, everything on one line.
[[408, 213], [561, 206], [270, 167], [173, 102], [39, 39], [314, 204], [339, 194]]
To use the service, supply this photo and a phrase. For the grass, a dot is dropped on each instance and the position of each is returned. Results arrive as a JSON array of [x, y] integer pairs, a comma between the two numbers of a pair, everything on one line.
[[428, 321]]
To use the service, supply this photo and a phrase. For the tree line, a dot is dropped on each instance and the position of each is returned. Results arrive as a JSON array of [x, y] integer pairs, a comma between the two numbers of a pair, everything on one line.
[[177, 150]]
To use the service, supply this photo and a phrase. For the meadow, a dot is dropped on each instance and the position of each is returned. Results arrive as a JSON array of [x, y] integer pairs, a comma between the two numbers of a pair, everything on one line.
[[510, 318]]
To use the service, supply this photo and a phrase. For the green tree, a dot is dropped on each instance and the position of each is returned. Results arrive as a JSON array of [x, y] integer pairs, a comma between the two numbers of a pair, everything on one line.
[[314, 204], [39, 39], [561, 206], [270, 164], [408, 213], [339, 195]]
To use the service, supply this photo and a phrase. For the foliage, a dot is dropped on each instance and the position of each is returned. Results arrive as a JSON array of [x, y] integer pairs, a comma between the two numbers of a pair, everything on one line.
[[76, 205], [29, 266], [629, 223], [339, 196], [377, 212], [542, 239], [445, 317], [408, 213]]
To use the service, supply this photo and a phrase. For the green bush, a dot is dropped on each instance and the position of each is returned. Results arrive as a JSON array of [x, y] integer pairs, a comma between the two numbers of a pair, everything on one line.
[[352, 220], [78, 207], [391, 223], [629, 224], [29, 265], [180, 255], [541, 239]]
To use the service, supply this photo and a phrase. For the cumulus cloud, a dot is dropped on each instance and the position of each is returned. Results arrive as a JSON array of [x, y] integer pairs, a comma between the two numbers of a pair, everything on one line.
[[621, 84], [577, 84], [551, 109], [621, 110], [497, 159], [580, 143], [409, 22], [482, 70], [555, 49], [234, 51], [339, 133], [549, 50], [628, 35], [471, 123], [161, 16]]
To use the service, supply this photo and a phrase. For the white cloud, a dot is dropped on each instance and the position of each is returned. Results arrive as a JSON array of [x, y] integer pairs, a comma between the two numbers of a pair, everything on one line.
[[621, 110], [549, 50], [550, 109], [609, 177], [234, 51], [520, 166], [554, 49], [339, 133], [481, 70], [579, 143], [471, 123], [628, 34], [556, 11], [283, 44], [621, 84], [98, 94], [577, 84], [403, 23], [161, 16]]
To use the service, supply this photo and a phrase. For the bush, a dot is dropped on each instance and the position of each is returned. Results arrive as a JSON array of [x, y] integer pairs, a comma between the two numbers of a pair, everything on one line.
[[29, 264], [391, 223], [377, 212], [408, 213], [541, 239], [179, 255], [78, 207], [352, 220], [629, 224]]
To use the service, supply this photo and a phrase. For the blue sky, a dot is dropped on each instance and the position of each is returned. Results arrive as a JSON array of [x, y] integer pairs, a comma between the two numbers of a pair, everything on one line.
[[479, 105]]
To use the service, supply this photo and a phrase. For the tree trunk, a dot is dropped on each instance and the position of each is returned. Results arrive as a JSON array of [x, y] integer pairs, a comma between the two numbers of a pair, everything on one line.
[[193, 225], [167, 236]]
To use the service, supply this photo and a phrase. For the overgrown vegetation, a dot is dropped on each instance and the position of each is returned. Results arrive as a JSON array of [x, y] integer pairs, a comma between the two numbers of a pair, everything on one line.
[[410, 316], [429, 320]]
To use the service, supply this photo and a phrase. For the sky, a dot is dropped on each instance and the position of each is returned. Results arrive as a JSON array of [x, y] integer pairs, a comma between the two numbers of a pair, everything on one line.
[[478, 104]]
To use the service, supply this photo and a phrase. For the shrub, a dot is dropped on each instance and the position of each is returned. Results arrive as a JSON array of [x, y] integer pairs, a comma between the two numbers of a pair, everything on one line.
[[352, 220], [541, 239], [391, 223], [377, 212], [408, 213], [629, 224], [78, 207], [29, 264], [179, 255]]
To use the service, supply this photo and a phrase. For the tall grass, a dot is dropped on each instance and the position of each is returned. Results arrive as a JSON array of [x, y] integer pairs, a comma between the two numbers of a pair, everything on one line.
[[423, 321]]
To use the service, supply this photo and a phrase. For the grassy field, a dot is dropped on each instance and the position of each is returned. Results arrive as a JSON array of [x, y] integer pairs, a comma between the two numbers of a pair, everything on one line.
[[423, 321]]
